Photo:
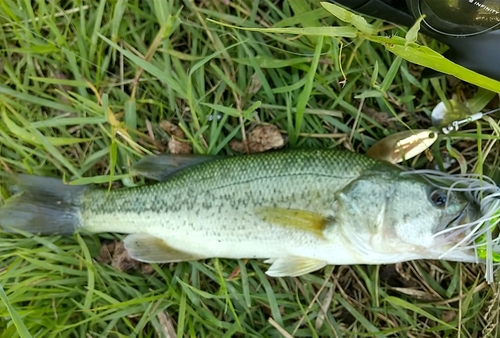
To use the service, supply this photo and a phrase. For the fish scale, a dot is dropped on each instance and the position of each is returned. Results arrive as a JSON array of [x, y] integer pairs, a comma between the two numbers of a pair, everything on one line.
[[300, 209], [210, 208], [230, 184]]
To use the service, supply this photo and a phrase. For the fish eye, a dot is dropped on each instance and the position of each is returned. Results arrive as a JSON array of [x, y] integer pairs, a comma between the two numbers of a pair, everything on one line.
[[439, 198]]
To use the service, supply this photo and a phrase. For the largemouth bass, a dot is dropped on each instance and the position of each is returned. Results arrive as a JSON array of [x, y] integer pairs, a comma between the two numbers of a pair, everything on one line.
[[300, 210]]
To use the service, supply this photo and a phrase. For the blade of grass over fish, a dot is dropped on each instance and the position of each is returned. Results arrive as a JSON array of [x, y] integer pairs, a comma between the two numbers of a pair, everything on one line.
[[225, 141], [99, 179]]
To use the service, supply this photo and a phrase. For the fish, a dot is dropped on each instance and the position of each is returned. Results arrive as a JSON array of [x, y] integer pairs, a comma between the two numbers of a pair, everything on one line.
[[299, 210]]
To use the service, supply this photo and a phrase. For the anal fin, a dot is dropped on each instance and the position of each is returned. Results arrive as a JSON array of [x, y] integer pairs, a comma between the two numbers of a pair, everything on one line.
[[150, 249], [293, 266]]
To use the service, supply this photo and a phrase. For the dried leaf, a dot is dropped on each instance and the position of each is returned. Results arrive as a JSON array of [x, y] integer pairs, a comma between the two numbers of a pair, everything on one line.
[[260, 139], [167, 325], [147, 269], [172, 129], [237, 146], [65, 88], [324, 306], [414, 293], [448, 316], [401, 271], [114, 253], [175, 145], [106, 253], [448, 162], [235, 273], [122, 260], [178, 147], [254, 85], [382, 118]]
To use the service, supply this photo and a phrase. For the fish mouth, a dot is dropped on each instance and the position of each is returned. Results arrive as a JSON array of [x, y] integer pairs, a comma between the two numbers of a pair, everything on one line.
[[457, 221], [466, 215], [454, 241]]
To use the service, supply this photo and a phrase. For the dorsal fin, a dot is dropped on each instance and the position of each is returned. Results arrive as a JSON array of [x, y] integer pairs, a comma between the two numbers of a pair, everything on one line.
[[160, 167]]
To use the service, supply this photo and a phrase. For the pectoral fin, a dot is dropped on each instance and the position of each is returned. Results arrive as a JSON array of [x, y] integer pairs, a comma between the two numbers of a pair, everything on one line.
[[295, 218], [160, 167], [294, 266], [150, 249]]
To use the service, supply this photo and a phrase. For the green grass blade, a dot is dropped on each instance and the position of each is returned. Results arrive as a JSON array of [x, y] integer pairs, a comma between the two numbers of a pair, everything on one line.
[[16, 319]]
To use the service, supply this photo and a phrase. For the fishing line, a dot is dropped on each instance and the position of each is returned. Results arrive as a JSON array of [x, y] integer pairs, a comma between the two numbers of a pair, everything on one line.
[[479, 189], [455, 125], [477, 234]]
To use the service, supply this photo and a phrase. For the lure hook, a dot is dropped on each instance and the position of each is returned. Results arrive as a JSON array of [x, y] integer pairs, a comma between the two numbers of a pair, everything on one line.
[[455, 125]]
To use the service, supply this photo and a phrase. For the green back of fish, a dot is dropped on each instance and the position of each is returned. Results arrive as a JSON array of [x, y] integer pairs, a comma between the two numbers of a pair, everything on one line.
[[193, 188], [303, 179]]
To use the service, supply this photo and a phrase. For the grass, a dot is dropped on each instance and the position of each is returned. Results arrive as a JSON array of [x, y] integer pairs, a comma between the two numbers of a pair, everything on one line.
[[84, 87]]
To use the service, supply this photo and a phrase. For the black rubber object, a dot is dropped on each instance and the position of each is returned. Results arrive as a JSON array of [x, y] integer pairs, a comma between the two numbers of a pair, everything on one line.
[[479, 52]]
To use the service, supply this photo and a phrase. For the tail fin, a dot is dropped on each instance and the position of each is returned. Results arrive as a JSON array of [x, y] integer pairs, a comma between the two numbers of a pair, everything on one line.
[[43, 206]]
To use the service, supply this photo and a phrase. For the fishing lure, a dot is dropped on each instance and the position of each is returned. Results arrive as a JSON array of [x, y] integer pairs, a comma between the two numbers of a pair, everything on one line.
[[480, 234]]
